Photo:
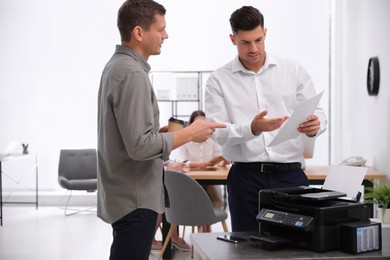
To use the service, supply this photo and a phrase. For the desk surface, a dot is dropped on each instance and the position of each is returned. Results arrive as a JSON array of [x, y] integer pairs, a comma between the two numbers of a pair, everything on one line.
[[312, 173], [208, 247], [14, 157]]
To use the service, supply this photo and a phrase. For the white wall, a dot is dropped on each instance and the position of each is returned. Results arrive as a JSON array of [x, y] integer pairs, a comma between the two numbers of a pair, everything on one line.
[[52, 54], [365, 124]]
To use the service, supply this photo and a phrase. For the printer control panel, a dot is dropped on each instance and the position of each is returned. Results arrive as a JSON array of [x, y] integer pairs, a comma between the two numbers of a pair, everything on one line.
[[285, 218]]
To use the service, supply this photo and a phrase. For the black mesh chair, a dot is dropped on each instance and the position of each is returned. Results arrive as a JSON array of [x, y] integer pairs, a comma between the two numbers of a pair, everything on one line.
[[77, 170]]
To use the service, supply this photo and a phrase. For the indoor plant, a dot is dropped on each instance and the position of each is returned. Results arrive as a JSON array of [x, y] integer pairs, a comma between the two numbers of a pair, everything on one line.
[[380, 194]]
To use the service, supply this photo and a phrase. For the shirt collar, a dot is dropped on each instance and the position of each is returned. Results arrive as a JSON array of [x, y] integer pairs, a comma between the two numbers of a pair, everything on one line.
[[237, 65], [121, 49]]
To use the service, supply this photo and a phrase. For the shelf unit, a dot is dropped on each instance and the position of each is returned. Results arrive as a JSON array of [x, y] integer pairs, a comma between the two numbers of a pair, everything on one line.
[[168, 84]]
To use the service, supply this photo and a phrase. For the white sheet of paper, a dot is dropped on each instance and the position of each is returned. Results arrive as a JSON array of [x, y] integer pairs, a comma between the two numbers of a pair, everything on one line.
[[301, 112], [347, 179]]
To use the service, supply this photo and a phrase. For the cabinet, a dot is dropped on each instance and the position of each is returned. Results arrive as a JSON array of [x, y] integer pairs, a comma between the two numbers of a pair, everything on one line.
[[179, 93]]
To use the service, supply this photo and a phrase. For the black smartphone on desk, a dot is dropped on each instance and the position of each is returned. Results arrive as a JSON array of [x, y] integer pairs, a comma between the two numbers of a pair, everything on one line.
[[231, 239]]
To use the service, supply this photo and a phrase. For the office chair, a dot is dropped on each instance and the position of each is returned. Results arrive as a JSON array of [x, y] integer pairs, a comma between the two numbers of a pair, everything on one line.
[[77, 170], [189, 205]]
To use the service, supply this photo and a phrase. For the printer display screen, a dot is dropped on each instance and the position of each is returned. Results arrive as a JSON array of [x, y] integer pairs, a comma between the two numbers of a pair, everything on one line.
[[269, 215]]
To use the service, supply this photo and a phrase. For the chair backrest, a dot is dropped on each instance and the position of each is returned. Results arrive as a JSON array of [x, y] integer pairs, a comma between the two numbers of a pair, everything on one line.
[[77, 169], [189, 203]]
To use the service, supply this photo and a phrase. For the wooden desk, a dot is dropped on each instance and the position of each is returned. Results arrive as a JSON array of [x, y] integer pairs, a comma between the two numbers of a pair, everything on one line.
[[217, 177], [320, 172], [208, 247], [315, 174]]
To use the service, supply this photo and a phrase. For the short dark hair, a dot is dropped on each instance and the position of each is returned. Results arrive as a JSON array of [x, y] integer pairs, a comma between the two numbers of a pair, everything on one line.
[[134, 13], [246, 18], [194, 115]]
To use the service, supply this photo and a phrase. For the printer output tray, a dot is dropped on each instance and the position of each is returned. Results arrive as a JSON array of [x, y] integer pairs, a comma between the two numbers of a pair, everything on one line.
[[272, 242], [307, 193]]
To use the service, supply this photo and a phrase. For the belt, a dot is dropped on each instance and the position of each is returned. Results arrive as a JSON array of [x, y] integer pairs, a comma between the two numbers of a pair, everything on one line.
[[269, 167]]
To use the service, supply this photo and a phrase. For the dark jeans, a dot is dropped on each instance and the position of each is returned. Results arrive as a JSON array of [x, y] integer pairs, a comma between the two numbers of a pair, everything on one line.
[[133, 235], [243, 186]]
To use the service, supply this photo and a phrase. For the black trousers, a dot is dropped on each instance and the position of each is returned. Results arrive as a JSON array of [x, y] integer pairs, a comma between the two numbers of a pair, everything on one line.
[[133, 235], [243, 186]]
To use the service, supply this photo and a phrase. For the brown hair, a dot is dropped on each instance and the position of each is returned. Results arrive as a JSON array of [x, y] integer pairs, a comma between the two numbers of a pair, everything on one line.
[[246, 18], [194, 115], [134, 13]]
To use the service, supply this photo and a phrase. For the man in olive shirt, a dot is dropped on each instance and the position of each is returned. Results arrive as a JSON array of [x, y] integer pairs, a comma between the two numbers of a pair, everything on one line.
[[131, 147]]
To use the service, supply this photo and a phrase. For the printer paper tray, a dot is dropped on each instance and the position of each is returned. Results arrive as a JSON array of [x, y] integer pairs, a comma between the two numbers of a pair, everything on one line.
[[272, 241]]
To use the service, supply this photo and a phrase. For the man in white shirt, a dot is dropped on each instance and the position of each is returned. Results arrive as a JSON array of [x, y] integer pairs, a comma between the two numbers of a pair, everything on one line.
[[253, 95]]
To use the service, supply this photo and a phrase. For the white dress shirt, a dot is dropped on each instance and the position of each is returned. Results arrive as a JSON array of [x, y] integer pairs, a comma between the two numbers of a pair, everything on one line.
[[198, 152], [234, 95]]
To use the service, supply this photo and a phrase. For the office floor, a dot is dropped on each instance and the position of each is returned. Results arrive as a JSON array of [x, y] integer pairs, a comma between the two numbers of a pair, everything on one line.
[[46, 234]]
